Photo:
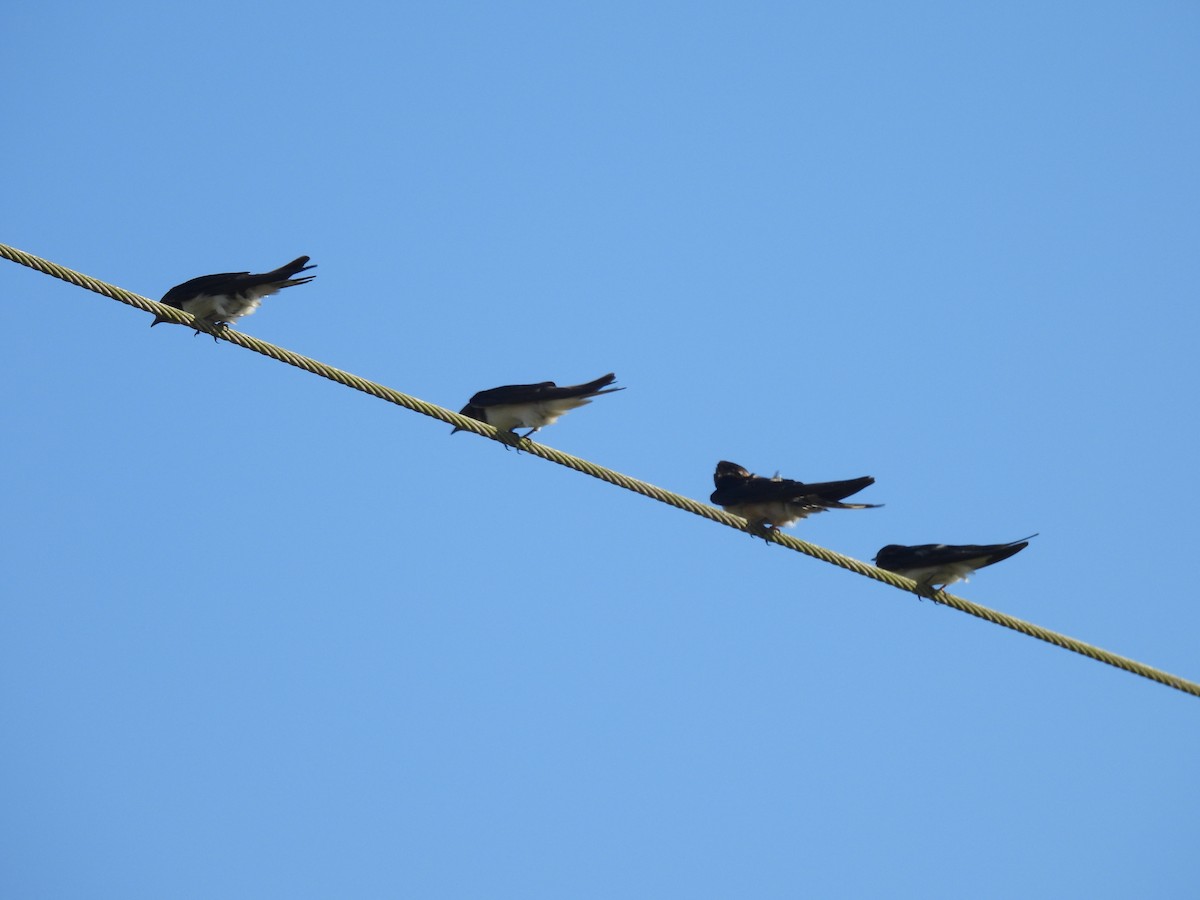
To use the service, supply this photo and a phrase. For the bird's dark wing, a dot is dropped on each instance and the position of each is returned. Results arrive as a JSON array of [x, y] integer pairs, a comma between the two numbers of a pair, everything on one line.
[[756, 489], [233, 283], [545, 390], [205, 284], [281, 276], [511, 393], [896, 557], [587, 389]]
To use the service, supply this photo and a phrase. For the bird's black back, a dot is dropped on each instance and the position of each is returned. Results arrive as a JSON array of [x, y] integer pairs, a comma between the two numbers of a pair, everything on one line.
[[233, 283], [920, 556], [736, 485], [545, 390]]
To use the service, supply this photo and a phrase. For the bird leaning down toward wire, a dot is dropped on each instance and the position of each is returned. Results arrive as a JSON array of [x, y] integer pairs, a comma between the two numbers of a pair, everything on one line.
[[532, 406], [768, 504], [220, 300], [609, 476], [944, 564]]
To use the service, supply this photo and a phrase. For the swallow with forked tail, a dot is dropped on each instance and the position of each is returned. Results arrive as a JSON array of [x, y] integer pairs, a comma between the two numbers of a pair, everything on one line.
[[944, 564], [768, 504], [220, 300], [532, 406]]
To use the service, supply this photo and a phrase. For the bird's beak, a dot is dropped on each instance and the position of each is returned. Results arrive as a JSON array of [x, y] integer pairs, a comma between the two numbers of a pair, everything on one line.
[[470, 412]]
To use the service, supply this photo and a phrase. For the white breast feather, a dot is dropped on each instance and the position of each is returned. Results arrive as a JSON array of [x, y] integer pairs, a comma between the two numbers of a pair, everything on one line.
[[943, 575], [508, 416], [776, 512], [221, 307]]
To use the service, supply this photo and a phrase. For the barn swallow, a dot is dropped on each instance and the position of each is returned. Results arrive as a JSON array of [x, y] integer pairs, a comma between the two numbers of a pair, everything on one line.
[[944, 564], [532, 406], [220, 300], [769, 504]]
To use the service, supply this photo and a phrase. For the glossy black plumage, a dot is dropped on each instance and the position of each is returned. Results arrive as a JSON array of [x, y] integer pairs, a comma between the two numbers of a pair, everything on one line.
[[225, 297], [943, 564], [778, 502], [533, 406]]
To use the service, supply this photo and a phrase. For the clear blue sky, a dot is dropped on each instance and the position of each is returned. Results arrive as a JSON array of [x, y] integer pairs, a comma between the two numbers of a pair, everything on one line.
[[267, 637]]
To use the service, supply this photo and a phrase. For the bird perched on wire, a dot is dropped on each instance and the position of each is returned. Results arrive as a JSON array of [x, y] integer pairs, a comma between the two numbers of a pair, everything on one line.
[[220, 300], [769, 504], [532, 406], [944, 564]]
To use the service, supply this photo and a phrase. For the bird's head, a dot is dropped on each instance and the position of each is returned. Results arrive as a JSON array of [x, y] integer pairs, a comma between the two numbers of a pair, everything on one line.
[[729, 473], [471, 412]]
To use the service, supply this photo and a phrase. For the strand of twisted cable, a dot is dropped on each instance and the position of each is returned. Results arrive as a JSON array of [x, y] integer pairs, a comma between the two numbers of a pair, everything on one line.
[[610, 476]]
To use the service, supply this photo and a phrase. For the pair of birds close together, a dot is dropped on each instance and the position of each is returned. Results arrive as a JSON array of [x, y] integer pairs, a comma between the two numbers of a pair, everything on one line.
[[767, 504], [771, 503]]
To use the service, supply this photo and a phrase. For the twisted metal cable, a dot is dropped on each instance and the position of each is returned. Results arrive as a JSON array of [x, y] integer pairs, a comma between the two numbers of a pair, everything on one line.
[[589, 468]]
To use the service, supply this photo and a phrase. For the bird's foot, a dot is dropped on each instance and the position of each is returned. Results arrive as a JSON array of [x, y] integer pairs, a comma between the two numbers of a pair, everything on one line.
[[927, 591], [513, 440], [219, 327], [763, 530], [510, 439]]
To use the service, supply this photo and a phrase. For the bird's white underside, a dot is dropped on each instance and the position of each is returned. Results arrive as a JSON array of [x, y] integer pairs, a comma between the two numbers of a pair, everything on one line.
[[508, 416], [776, 513], [943, 575], [226, 307]]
